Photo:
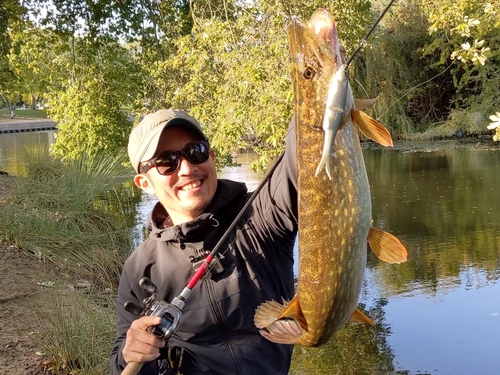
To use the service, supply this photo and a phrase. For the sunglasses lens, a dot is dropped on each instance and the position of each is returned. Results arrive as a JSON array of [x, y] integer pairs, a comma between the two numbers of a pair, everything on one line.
[[195, 153], [167, 163]]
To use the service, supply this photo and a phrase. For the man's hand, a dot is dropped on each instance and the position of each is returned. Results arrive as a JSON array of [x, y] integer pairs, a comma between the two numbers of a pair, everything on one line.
[[141, 345]]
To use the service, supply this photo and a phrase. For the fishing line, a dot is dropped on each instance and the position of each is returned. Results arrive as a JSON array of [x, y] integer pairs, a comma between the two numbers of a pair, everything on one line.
[[413, 88], [364, 40]]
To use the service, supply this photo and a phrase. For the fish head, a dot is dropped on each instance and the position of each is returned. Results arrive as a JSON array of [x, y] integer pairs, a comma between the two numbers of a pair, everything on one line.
[[316, 57]]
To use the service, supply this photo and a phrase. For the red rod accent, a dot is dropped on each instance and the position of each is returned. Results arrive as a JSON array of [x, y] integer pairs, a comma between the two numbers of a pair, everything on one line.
[[199, 273]]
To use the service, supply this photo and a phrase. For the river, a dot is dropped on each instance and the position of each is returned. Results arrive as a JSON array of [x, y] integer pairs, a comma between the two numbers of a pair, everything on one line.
[[439, 313]]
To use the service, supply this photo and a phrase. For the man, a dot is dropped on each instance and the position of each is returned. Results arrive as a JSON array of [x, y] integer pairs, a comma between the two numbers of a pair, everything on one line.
[[216, 334]]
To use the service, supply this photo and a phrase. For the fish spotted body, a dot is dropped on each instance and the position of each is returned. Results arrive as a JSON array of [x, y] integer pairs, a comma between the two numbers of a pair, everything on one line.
[[334, 204]]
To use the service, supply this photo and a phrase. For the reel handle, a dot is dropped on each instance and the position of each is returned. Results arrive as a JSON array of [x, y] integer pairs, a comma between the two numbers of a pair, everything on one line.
[[169, 313]]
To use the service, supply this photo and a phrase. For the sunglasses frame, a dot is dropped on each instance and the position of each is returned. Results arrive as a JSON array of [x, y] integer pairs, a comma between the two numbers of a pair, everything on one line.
[[147, 165]]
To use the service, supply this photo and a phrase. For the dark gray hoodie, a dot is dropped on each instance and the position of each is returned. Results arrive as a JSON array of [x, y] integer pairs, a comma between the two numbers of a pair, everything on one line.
[[217, 330]]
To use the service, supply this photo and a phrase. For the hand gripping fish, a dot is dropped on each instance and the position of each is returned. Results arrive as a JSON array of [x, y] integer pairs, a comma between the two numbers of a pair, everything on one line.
[[334, 208]]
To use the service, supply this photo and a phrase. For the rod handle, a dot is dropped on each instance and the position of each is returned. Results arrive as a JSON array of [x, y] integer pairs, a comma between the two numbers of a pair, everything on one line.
[[132, 368]]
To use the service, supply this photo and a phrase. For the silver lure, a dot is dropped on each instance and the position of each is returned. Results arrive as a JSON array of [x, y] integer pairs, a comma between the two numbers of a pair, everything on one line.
[[334, 113]]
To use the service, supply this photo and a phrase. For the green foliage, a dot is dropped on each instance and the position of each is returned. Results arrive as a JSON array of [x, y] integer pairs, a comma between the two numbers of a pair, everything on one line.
[[232, 72], [34, 57], [89, 108], [228, 64], [393, 69], [468, 33]]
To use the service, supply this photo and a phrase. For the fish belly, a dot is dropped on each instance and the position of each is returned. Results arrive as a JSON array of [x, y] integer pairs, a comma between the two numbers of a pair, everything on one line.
[[334, 220]]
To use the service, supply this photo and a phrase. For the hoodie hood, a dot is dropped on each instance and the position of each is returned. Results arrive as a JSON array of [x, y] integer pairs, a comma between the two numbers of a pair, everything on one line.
[[228, 192]]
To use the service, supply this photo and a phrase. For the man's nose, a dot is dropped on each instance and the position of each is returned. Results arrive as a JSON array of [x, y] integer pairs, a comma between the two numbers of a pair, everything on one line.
[[186, 167]]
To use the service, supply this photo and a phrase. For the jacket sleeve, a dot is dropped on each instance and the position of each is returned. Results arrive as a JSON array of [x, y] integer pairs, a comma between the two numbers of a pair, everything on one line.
[[125, 319], [126, 292], [278, 199]]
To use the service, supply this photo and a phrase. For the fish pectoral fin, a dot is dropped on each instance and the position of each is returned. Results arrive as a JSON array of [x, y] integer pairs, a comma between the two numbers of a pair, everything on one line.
[[362, 104], [386, 246], [371, 128], [358, 317], [280, 323]]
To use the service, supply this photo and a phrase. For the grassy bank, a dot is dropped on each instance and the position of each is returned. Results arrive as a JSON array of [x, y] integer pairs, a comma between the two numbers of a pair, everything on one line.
[[77, 216], [23, 114]]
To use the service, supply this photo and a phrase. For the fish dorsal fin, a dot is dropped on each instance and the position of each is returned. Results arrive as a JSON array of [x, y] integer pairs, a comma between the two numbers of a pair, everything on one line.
[[280, 323], [358, 317], [386, 246], [362, 104], [371, 128]]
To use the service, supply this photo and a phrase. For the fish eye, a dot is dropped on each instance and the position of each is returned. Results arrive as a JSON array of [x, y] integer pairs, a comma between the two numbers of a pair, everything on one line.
[[309, 73]]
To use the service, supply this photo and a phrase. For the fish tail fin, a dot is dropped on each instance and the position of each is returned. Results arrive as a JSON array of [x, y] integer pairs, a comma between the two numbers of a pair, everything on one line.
[[324, 163], [371, 128], [358, 317], [386, 246], [280, 323]]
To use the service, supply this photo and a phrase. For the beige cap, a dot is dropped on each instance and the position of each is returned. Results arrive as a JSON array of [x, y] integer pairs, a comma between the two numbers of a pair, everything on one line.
[[144, 138]]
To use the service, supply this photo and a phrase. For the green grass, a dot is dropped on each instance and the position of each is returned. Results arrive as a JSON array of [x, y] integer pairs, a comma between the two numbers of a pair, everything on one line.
[[23, 114], [80, 334]]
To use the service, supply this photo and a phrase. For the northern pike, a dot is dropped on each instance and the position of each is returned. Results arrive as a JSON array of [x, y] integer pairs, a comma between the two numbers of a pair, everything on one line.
[[335, 204]]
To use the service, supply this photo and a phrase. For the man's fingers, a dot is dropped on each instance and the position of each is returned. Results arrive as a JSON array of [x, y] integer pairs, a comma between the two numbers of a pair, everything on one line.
[[146, 321], [141, 345]]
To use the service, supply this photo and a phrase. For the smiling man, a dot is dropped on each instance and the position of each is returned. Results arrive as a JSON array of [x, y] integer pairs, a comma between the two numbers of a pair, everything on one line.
[[216, 334]]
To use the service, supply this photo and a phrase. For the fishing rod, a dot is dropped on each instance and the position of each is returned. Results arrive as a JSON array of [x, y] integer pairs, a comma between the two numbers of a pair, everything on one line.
[[369, 33], [171, 313]]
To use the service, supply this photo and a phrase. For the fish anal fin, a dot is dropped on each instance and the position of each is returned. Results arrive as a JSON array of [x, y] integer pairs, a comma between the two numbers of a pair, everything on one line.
[[386, 246], [371, 128], [280, 323], [362, 104], [287, 331], [358, 317]]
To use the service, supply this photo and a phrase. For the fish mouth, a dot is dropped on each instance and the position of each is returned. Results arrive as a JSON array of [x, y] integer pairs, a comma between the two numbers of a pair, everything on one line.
[[323, 25]]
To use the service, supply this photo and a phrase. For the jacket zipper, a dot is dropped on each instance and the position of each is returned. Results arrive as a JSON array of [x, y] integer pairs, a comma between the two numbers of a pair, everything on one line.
[[219, 317]]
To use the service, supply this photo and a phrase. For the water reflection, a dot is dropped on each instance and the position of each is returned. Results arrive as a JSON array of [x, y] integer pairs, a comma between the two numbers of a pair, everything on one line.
[[439, 313], [13, 149], [443, 306]]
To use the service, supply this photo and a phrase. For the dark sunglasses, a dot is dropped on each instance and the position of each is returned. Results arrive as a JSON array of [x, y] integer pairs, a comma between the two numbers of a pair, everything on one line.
[[169, 162]]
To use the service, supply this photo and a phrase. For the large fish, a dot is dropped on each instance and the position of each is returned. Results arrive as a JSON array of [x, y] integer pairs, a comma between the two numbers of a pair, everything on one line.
[[334, 204]]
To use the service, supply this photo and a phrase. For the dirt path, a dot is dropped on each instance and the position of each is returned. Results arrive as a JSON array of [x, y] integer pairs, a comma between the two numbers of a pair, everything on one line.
[[23, 306]]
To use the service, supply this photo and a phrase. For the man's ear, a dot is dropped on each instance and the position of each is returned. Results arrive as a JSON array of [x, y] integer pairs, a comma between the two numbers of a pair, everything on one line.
[[143, 183]]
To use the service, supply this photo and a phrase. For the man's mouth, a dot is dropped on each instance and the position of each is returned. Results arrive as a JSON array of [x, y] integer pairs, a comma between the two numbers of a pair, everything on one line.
[[191, 185]]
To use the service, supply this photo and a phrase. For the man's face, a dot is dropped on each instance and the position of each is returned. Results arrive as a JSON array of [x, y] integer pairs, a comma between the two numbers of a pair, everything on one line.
[[188, 191]]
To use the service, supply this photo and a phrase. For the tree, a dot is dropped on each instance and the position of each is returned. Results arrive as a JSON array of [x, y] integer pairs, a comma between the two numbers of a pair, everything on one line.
[[10, 14], [89, 107], [467, 33]]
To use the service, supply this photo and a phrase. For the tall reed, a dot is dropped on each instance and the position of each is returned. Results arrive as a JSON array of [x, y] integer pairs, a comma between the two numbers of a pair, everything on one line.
[[68, 212]]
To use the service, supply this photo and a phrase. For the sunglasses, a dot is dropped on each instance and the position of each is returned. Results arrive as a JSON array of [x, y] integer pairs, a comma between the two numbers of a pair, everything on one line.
[[169, 162]]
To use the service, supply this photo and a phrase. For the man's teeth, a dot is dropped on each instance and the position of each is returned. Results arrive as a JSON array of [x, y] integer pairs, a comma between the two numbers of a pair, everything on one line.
[[191, 185]]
